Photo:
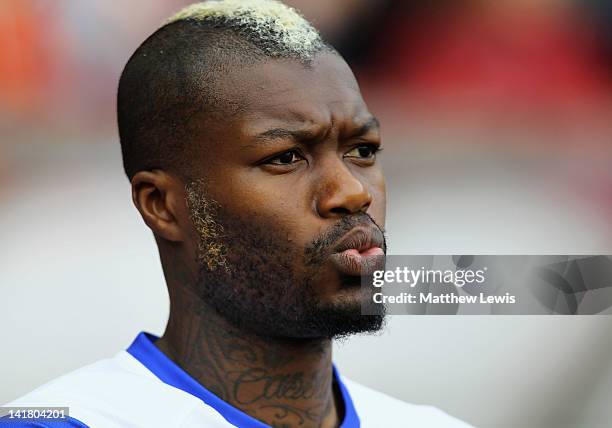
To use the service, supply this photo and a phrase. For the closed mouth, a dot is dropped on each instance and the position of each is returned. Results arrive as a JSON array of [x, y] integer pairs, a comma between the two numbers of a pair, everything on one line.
[[361, 239]]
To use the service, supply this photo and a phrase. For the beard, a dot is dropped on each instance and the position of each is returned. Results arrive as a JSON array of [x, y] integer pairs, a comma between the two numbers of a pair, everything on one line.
[[252, 276]]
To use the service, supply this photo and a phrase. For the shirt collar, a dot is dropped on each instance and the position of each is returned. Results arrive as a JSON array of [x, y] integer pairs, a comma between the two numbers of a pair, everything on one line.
[[144, 350]]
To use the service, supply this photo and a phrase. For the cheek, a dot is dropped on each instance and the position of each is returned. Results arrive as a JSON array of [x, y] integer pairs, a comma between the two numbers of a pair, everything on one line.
[[282, 208]]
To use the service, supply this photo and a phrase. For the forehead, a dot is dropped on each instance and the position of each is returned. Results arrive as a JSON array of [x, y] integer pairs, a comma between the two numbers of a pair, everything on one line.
[[288, 91]]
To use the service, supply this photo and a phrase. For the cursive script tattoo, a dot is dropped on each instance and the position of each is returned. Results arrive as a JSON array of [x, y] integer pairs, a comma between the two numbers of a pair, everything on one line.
[[282, 383]]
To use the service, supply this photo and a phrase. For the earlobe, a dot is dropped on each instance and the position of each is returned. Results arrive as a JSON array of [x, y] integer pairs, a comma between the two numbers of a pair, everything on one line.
[[157, 196]]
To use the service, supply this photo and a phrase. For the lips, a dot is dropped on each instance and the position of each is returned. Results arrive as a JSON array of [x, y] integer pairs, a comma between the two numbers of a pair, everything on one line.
[[360, 252]]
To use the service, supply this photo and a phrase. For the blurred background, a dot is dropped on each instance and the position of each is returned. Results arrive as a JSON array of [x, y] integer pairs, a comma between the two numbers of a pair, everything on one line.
[[497, 123]]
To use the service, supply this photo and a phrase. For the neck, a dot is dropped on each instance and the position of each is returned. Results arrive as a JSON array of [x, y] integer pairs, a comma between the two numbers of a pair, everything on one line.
[[279, 382]]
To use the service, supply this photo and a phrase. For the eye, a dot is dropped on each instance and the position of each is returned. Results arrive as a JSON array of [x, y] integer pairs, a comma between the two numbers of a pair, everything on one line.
[[287, 158], [365, 152]]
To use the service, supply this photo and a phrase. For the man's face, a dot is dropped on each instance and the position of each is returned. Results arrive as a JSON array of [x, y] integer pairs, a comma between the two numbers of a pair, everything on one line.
[[290, 207]]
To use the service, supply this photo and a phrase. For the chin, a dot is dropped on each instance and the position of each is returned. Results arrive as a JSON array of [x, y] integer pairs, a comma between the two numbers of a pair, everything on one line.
[[343, 315], [365, 324]]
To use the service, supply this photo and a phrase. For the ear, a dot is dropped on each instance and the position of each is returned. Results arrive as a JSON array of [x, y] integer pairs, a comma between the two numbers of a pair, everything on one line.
[[160, 199]]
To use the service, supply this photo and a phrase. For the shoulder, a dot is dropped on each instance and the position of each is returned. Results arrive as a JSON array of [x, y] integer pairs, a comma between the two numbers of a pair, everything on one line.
[[113, 393], [377, 409]]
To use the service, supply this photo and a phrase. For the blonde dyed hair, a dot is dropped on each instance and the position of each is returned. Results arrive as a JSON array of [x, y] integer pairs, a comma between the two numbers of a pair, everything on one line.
[[277, 28]]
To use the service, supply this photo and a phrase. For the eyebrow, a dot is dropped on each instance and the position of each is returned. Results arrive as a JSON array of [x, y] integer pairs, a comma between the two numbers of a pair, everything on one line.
[[302, 135], [372, 124], [285, 134]]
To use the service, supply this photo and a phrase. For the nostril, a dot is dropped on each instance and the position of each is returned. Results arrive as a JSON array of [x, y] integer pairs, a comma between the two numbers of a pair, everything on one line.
[[340, 211]]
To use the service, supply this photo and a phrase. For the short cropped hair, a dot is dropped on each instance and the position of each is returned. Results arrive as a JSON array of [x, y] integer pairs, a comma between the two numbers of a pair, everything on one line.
[[171, 79]]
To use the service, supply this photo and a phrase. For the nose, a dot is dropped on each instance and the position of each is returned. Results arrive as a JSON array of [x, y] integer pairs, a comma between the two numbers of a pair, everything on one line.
[[341, 193]]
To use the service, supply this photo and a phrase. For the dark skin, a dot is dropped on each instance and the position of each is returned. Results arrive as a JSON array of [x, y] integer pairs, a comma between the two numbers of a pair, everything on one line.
[[297, 157]]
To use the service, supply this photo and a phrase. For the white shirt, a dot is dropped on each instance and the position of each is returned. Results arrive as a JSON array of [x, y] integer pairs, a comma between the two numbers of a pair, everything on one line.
[[143, 388]]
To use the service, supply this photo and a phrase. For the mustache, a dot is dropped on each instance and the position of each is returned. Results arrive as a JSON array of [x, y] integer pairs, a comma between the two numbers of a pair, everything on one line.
[[321, 247]]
